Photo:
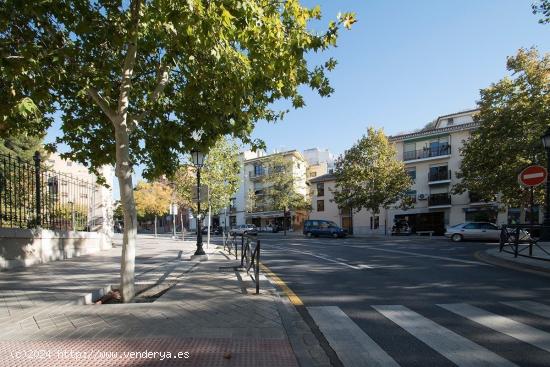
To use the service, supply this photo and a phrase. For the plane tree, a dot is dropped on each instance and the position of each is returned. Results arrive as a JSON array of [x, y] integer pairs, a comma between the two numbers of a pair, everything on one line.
[[146, 81]]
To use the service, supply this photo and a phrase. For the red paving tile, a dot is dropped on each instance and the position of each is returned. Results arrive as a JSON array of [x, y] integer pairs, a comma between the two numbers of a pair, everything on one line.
[[201, 352]]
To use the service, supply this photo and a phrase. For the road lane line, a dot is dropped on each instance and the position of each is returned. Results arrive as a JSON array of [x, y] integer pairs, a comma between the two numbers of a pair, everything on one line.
[[504, 325], [431, 256], [352, 345], [456, 348], [294, 299], [534, 308], [356, 267]]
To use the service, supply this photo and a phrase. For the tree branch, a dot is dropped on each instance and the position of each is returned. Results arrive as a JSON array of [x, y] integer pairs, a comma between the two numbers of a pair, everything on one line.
[[102, 103], [163, 75], [129, 62]]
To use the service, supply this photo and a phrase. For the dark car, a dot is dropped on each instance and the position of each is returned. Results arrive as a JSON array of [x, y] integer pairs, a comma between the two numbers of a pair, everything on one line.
[[318, 228]]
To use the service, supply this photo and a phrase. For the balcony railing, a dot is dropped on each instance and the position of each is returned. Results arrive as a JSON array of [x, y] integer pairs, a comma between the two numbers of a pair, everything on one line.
[[439, 199], [427, 153], [476, 198], [253, 175], [439, 176]]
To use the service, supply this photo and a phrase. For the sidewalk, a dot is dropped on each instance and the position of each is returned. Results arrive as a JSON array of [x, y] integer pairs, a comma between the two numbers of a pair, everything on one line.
[[211, 313], [521, 262]]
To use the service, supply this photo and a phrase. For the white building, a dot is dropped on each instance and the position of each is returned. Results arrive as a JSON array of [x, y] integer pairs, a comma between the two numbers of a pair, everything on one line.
[[74, 184], [432, 158], [250, 174]]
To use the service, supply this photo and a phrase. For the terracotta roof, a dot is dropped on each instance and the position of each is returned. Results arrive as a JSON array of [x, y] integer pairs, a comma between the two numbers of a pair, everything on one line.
[[427, 133], [322, 178]]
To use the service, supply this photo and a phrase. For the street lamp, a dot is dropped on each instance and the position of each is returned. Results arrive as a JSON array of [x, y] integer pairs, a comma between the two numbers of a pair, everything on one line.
[[545, 235], [198, 161]]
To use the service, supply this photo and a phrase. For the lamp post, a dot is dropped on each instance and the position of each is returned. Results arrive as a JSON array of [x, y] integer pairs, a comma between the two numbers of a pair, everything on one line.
[[545, 235], [198, 161]]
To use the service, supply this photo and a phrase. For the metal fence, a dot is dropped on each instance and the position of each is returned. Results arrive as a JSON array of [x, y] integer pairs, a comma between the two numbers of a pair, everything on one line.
[[521, 240], [33, 195], [250, 253]]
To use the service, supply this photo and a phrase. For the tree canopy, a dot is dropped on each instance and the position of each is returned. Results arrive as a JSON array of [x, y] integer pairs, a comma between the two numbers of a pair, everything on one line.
[[153, 198], [542, 7], [146, 81], [514, 114], [369, 176]]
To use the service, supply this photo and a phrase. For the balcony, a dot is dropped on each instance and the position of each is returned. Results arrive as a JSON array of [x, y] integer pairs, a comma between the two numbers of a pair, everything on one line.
[[442, 176], [439, 200], [256, 175], [476, 199], [427, 153]]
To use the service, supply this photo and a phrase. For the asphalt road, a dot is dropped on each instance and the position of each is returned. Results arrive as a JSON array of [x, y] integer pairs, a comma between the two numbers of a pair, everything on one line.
[[415, 301]]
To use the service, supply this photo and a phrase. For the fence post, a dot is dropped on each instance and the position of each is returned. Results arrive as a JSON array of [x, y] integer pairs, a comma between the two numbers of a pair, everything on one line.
[[257, 270], [38, 186], [517, 242], [242, 251]]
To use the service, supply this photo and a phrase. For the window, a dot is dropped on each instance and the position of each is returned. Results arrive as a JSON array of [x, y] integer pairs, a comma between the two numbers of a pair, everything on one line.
[[320, 205], [472, 226], [258, 170], [489, 226], [69, 163], [450, 121], [374, 222], [232, 221], [439, 173], [412, 195], [313, 174], [411, 172], [320, 189]]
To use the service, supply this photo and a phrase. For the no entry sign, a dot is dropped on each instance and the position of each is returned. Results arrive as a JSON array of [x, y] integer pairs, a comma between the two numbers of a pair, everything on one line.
[[533, 176]]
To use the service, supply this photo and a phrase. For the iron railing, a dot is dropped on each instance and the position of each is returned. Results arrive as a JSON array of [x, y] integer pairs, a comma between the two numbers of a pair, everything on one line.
[[516, 239], [250, 256], [439, 176], [439, 199], [32, 195], [427, 153]]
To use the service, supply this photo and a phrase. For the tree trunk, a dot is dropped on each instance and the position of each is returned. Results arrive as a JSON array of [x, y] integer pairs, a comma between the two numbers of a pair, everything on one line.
[[155, 226], [209, 222], [124, 175], [181, 222]]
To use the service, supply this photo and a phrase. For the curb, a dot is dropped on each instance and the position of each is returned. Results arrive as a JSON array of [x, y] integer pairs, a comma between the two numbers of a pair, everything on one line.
[[526, 268]]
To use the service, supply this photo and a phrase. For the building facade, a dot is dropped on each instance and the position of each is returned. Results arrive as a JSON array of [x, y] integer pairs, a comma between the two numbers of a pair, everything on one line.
[[432, 158], [240, 210]]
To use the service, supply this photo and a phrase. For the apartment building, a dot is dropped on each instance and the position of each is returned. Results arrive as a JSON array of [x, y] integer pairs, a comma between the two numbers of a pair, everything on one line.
[[252, 170], [324, 207], [432, 158]]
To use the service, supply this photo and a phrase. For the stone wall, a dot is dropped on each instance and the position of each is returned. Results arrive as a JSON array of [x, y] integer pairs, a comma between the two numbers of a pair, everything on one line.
[[27, 247]]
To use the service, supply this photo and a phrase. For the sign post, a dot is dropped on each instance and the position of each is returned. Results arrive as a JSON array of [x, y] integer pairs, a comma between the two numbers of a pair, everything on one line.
[[532, 177]]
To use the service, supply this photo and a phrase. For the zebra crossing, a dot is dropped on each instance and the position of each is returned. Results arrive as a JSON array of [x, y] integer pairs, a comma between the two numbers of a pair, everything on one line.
[[355, 347]]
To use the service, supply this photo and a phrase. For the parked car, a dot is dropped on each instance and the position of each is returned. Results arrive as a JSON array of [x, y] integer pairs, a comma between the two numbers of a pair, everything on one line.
[[244, 229], [483, 231], [401, 227], [213, 230], [323, 228]]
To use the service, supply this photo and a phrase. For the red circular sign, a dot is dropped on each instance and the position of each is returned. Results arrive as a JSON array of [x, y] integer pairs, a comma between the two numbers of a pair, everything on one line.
[[533, 176]]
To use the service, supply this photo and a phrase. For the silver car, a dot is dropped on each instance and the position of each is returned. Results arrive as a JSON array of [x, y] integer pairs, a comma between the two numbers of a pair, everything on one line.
[[244, 229], [483, 231]]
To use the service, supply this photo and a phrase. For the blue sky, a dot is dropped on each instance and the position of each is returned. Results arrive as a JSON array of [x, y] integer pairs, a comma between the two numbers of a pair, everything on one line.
[[403, 64]]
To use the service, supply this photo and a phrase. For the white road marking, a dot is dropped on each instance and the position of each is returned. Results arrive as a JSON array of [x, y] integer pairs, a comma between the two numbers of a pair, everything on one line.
[[356, 267], [532, 307], [352, 345], [456, 348], [431, 256], [517, 330]]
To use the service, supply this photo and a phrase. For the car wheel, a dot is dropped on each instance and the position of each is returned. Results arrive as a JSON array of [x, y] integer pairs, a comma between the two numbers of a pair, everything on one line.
[[335, 235], [456, 237], [308, 234]]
